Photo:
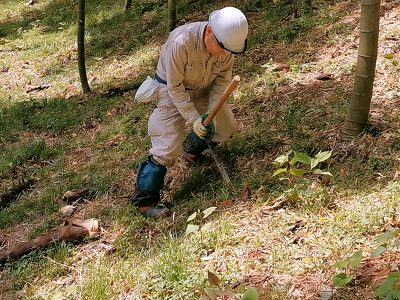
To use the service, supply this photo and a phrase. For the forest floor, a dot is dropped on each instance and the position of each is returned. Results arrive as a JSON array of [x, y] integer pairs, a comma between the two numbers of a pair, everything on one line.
[[283, 236]]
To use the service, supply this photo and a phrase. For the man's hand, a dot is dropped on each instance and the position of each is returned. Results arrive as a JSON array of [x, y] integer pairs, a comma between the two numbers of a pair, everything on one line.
[[201, 130]]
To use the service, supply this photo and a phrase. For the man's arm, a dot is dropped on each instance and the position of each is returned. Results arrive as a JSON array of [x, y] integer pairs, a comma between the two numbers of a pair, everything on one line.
[[220, 82], [175, 69]]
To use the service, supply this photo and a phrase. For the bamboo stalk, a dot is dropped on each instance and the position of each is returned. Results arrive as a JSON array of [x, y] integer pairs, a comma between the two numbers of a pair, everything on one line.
[[171, 14], [81, 47], [357, 114]]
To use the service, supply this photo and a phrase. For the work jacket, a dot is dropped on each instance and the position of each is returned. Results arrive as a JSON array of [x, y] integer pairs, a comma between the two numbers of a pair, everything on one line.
[[185, 64]]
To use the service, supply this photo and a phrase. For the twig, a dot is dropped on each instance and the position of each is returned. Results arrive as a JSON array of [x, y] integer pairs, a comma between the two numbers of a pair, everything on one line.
[[37, 88]]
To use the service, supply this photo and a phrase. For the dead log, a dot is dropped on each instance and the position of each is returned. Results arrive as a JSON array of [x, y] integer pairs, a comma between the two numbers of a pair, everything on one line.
[[37, 88], [12, 193], [75, 230], [79, 194], [118, 91]]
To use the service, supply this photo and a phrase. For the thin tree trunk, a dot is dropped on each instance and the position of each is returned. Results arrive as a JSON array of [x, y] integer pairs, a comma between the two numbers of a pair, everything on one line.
[[128, 4], [171, 14], [357, 114], [81, 47]]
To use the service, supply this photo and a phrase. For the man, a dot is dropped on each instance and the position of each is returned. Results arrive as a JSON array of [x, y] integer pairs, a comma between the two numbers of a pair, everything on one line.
[[194, 68]]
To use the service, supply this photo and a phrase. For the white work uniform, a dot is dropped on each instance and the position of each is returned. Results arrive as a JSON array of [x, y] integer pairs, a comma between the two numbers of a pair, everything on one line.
[[195, 81]]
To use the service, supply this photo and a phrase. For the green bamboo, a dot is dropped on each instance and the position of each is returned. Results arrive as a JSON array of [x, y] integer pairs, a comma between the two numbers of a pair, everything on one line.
[[357, 114], [128, 4], [171, 14], [81, 47]]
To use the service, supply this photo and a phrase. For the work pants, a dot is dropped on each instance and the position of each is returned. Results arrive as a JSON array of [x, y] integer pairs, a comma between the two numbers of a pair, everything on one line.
[[166, 125]]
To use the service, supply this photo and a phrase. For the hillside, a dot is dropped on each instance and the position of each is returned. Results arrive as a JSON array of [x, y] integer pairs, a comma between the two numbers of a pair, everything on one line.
[[279, 236]]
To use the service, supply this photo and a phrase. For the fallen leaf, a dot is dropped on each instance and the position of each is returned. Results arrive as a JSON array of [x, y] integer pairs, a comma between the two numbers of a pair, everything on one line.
[[322, 76], [213, 279]]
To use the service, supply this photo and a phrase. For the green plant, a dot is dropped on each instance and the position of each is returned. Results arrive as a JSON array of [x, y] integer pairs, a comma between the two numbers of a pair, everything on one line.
[[194, 227], [291, 159], [387, 241], [349, 265], [395, 62], [387, 289], [217, 289]]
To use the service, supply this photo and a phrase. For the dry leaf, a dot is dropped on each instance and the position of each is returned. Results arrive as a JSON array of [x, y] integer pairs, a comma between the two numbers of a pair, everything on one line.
[[322, 76], [213, 279]]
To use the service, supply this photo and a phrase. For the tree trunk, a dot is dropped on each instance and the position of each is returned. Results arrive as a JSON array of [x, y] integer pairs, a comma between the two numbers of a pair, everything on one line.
[[128, 4], [171, 14], [81, 47], [357, 114]]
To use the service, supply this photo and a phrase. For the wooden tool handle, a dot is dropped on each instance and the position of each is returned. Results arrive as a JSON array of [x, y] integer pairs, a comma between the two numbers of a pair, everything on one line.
[[221, 100]]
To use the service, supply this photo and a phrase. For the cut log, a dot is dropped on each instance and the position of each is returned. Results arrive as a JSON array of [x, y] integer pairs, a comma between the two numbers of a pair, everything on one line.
[[75, 230]]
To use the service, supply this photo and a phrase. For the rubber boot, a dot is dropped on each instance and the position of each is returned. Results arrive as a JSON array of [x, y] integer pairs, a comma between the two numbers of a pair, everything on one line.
[[192, 148], [147, 193]]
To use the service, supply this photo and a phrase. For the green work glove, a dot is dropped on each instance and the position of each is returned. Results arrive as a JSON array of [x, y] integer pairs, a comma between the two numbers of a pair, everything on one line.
[[201, 130], [210, 130]]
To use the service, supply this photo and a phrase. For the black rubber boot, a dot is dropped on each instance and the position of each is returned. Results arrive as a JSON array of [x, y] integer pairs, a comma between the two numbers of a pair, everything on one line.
[[192, 148], [147, 193]]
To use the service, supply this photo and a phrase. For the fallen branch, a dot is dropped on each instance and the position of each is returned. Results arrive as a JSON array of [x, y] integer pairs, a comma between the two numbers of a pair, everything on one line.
[[37, 88], [75, 230], [13, 193], [276, 205], [118, 91]]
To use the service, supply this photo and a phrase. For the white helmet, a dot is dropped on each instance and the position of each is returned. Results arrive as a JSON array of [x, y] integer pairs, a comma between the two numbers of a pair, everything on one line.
[[230, 28]]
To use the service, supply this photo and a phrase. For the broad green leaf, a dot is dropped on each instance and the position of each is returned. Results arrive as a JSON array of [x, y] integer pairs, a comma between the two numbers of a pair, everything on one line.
[[384, 288], [341, 279], [191, 228], [355, 259], [240, 289], [206, 227], [302, 157], [395, 62], [396, 291], [378, 251], [340, 264], [322, 156], [293, 161], [297, 172], [395, 244], [225, 293], [209, 211], [250, 294], [191, 217], [279, 171], [281, 159], [211, 292], [395, 276], [388, 56], [58, 296], [306, 193], [384, 237], [326, 173], [390, 296], [71, 290], [314, 162], [319, 172]]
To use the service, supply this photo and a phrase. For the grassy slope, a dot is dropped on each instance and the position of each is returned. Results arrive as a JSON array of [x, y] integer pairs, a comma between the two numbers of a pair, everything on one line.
[[67, 141]]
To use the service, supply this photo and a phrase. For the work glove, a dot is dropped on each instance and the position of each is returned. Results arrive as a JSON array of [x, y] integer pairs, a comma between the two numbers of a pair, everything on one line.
[[200, 130]]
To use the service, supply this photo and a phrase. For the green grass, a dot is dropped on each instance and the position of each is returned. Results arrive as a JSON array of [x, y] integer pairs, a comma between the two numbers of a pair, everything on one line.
[[67, 141]]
